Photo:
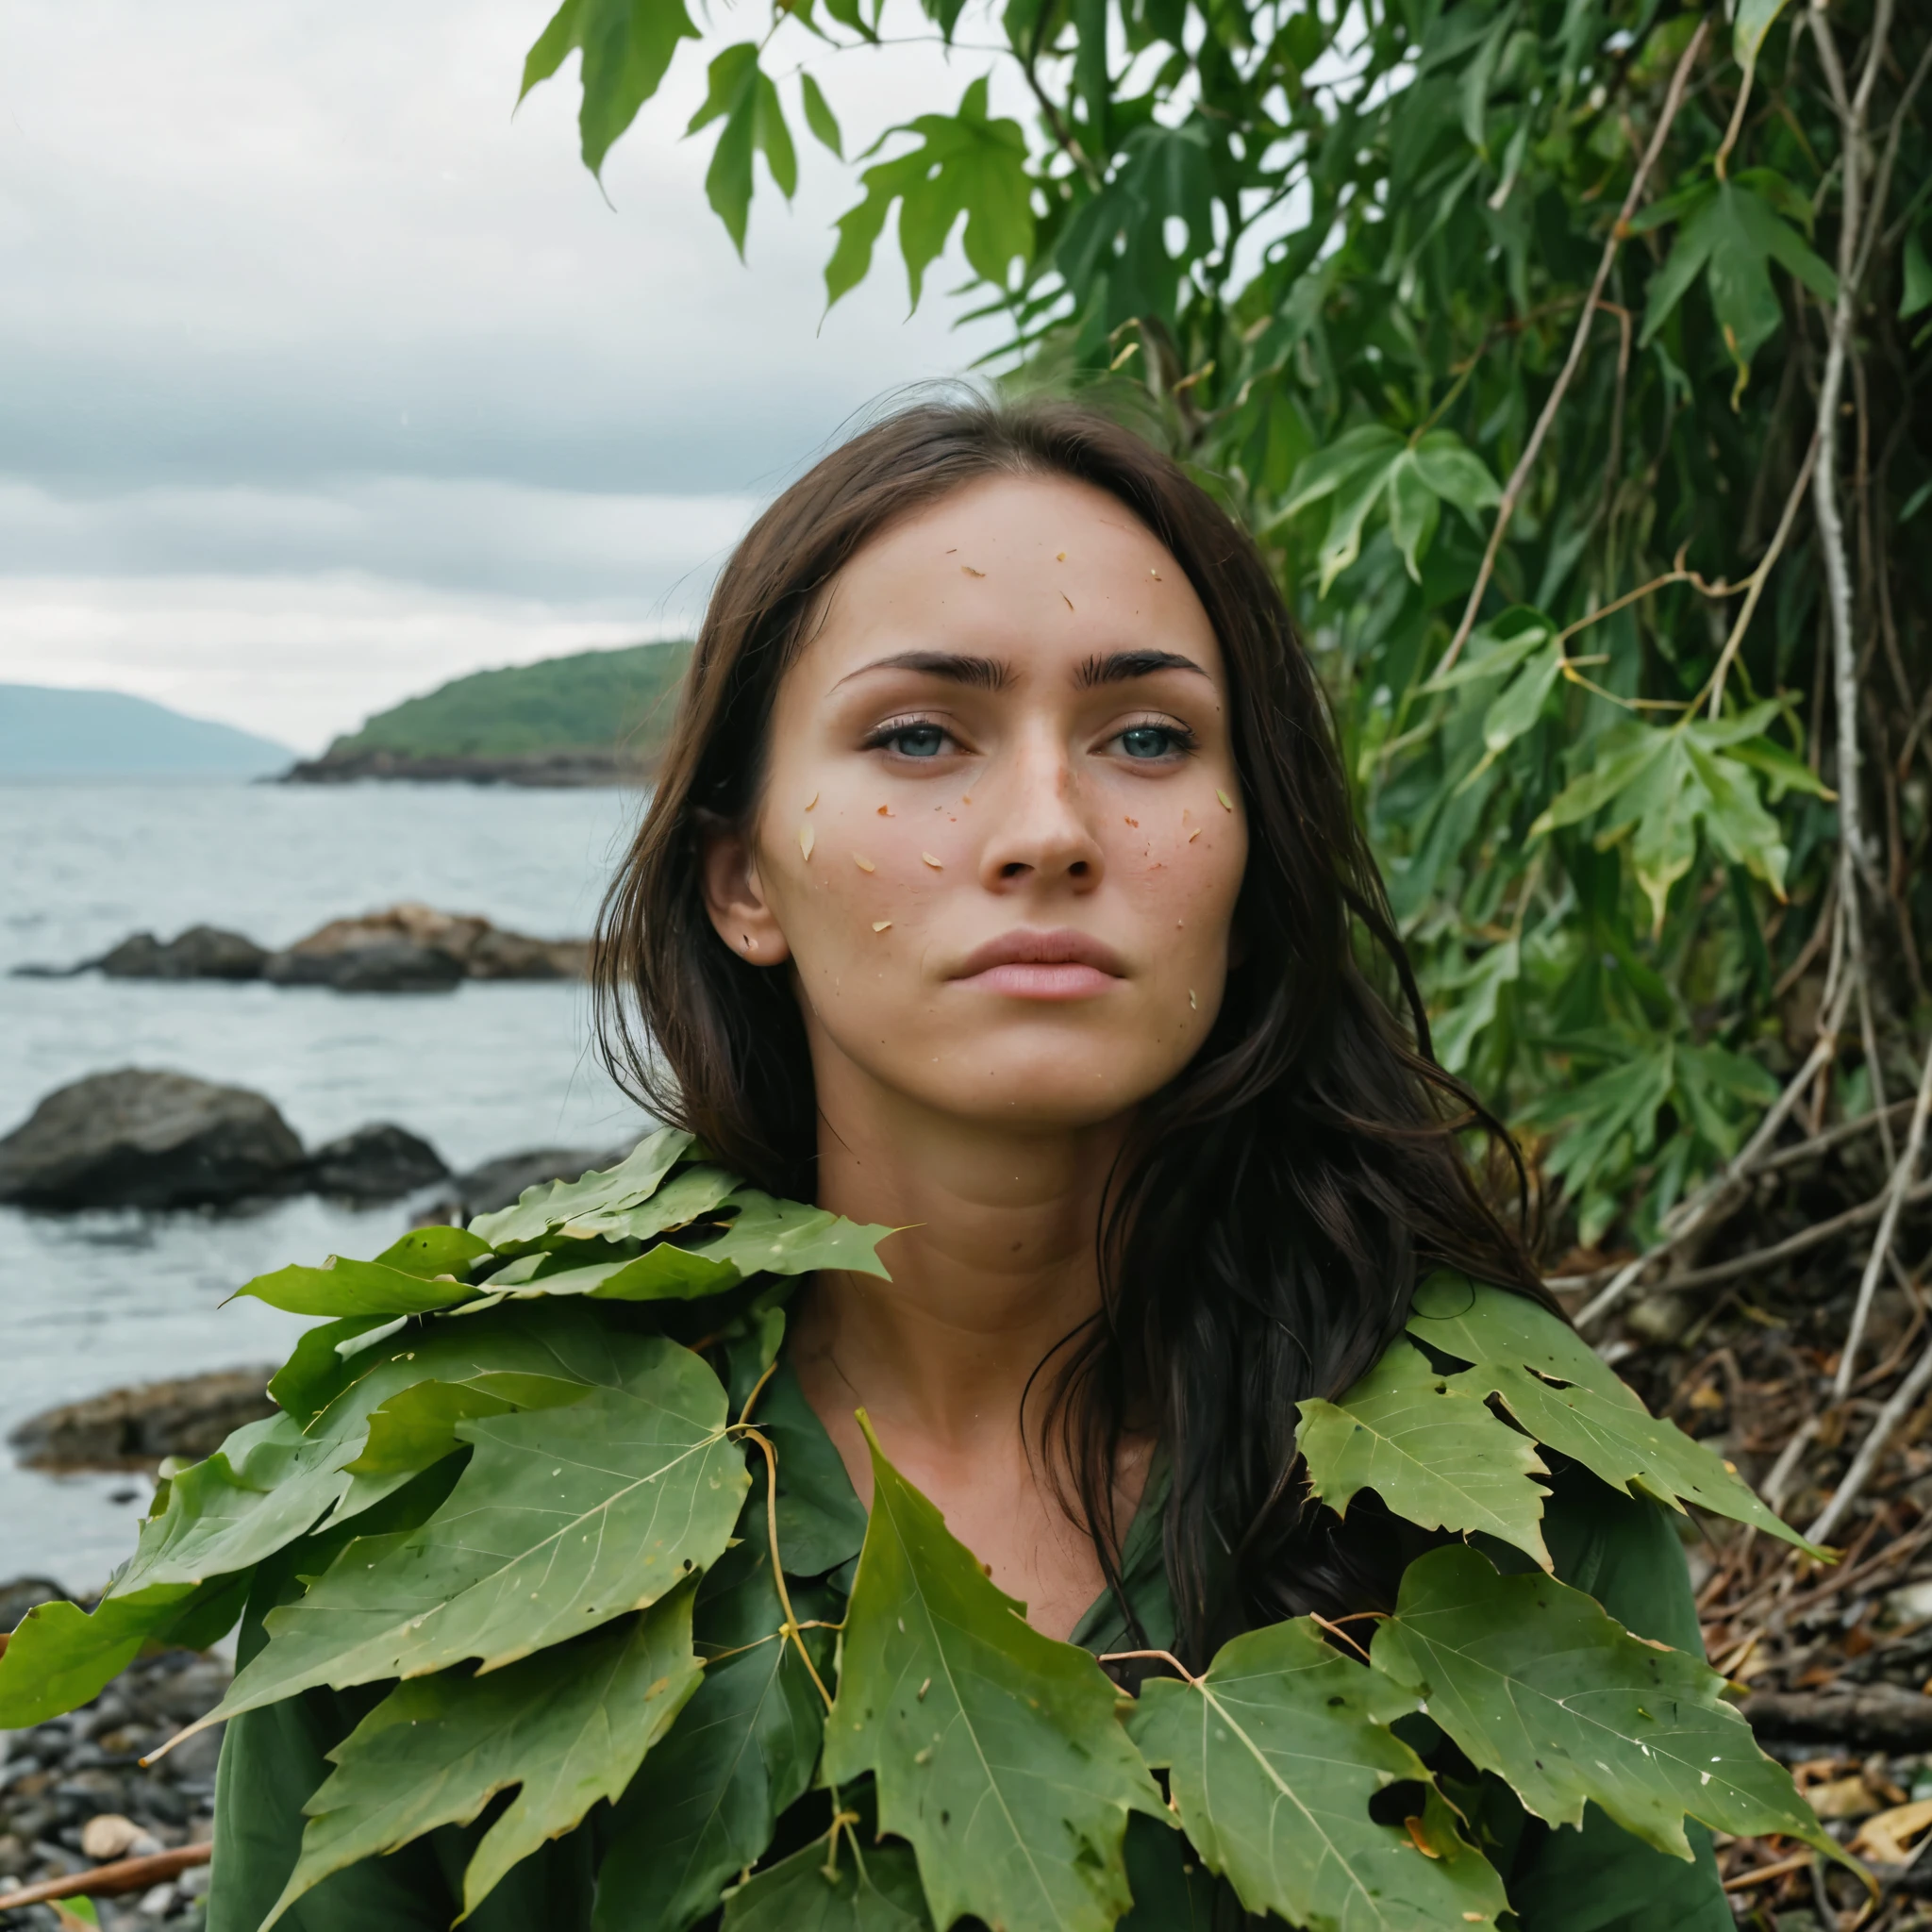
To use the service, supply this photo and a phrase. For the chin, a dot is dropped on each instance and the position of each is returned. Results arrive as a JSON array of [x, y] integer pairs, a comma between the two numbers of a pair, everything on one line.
[[1046, 1097]]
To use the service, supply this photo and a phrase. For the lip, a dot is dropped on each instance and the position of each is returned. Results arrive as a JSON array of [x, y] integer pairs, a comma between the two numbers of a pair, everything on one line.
[[1027, 963]]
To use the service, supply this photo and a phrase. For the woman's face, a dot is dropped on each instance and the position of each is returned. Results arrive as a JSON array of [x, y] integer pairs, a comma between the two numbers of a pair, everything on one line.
[[999, 836]]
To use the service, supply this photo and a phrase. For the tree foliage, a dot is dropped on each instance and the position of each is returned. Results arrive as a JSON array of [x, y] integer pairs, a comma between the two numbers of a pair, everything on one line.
[[1504, 324], [576, 1595]]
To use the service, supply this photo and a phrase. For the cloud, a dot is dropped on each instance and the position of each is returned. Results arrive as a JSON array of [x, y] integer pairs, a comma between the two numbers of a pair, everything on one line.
[[296, 658], [329, 377]]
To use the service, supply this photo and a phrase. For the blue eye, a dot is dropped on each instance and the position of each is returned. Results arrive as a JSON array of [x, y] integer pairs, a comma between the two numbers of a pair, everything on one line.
[[1148, 742], [918, 742]]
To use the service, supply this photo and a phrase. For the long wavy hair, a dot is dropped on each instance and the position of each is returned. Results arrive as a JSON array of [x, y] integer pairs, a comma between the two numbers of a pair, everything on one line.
[[1276, 1203]]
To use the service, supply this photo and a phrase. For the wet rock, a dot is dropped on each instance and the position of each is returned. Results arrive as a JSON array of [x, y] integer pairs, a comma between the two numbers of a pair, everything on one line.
[[380, 1162], [498, 1183], [137, 1138], [370, 953], [133, 1429], [391, 966], [203, 952]]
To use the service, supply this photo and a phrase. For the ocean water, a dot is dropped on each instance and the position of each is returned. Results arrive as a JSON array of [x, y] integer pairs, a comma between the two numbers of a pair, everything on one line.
[[94, 1301]]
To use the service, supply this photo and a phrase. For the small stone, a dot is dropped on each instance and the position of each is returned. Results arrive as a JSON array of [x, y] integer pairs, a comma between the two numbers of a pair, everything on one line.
[[108, 1835], [192, 1883], [157, 1903]]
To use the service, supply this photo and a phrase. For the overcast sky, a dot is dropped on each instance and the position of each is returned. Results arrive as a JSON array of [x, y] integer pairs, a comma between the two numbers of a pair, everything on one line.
[[324, 378]]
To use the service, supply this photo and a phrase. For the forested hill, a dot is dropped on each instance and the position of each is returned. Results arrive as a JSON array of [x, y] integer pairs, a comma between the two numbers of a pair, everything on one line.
[[595, 718]]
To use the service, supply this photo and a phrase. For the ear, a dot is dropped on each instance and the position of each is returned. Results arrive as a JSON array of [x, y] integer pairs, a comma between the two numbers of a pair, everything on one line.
[[729, 870]]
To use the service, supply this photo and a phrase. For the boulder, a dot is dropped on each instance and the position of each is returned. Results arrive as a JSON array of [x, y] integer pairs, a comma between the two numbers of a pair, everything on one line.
[[498, 1183], [133, 1429], [136, 1138], [478, 949], [203, 952], [390, 966], [380, 1162]]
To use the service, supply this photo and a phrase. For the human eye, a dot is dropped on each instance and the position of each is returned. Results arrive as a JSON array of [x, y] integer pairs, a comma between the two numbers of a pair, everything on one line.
[[1154, 741], [912, 738]]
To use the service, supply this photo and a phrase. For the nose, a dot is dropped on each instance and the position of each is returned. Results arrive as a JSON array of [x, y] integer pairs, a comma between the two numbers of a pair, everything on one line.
[[1039, 826]]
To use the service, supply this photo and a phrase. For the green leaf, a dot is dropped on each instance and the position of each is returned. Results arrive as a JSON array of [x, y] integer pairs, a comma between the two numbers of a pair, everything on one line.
[[802, 1894], [1495, 648], [772, 1237], [1272, 1758], [1736, 819], [1434, 1455], [1752, 22], [273, 1480], [1473, 1008], [1455, 473], [819, 116], [966, 164], [1733, 237], [562, 1520], [565, 1729], [1537, 1684], [543, 1210], [341, 1286], [1918, 278], [1563, 1392], [995, 1750], [1521, 702], [1369, 446], [1414, 510], [1621, 766], [708, 1798], [627, 45], [433, 1251], [418, 1426], [60, 1657], [746, 98]]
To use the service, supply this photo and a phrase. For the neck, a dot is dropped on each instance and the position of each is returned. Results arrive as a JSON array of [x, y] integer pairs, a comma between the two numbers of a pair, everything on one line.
[[993, 1265]]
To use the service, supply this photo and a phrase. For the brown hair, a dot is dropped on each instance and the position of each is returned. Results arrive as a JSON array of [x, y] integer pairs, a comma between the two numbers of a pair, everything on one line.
[[1265, 1229]]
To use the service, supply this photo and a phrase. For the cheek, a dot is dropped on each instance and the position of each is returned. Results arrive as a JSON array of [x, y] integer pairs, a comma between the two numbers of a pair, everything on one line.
[[1183, 878], [852, 887]]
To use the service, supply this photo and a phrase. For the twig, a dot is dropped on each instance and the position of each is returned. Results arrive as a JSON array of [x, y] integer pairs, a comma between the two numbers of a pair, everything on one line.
[[1166, 1656], [1763, 1874], [1619, 229], [1723, 1189], [791, 1626], [1754, 585], [1816, 1236], [1824, 481], [108, 1881], [1884, 1427], [1901, 1183]]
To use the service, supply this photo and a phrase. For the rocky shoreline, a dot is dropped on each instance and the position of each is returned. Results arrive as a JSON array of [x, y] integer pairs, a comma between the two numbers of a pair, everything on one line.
[[403, 948], [558, 769]]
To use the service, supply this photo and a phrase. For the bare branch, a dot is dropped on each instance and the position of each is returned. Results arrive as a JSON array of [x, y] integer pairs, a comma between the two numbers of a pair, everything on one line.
[[1526, 462]]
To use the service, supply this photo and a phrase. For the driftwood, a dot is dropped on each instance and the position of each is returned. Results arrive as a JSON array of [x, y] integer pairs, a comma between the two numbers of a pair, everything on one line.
[[106, 1881]]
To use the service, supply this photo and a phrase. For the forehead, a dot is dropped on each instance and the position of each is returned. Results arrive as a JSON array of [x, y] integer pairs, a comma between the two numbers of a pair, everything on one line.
[[1035, 570]]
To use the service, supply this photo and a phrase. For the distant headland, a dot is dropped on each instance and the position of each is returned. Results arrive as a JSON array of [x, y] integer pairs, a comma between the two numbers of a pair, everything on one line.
[[50, 731], [594, 718]]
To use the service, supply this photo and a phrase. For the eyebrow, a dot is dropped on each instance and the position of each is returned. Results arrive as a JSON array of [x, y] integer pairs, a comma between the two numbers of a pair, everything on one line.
[[977, 673], [1120, 666]]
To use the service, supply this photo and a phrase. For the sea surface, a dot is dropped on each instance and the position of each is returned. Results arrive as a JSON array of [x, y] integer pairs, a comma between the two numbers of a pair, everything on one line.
[[94, 1301]]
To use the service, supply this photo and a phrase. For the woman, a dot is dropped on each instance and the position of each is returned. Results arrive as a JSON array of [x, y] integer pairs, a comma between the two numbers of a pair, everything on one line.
[[1001, 885]]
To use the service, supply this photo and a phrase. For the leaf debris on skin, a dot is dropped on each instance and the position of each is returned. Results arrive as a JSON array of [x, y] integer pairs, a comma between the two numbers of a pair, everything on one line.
[[937, 865], [1227, 803], [882, 925], [1068, 602], [862, 864], [805, 839], [812, 801], [1193, 835], [971, 572], [1061, 558]]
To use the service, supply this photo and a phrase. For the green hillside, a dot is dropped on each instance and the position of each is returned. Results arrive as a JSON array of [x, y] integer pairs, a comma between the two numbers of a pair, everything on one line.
[[594, 701]]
